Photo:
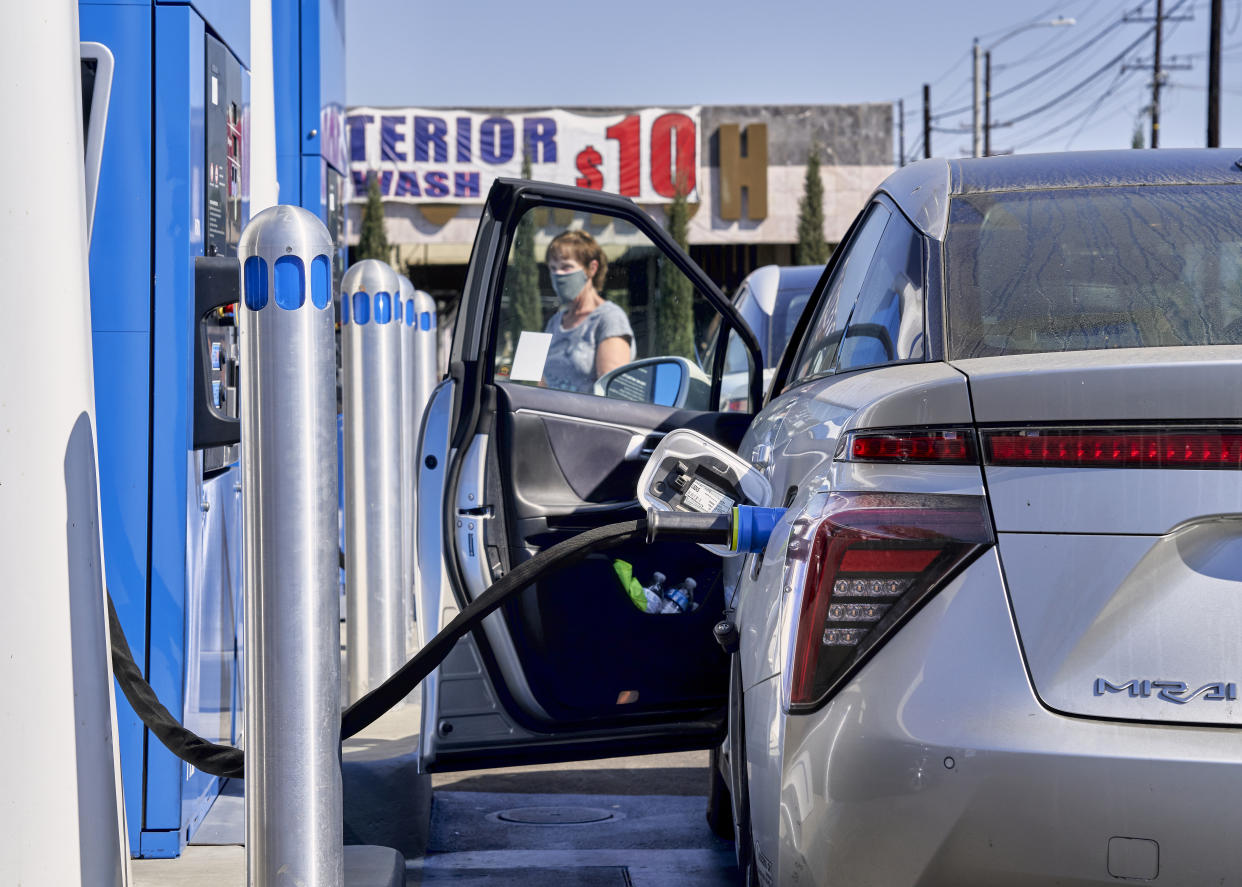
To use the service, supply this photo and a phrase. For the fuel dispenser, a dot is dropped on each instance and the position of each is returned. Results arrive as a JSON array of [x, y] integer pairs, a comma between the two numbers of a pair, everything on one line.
[[309, 69], [62, 819], [172, 200]]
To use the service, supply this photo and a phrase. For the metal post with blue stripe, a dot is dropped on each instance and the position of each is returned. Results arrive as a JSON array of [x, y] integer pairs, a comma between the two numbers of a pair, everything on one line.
[[289, 476], [420, 373], [375, 620]]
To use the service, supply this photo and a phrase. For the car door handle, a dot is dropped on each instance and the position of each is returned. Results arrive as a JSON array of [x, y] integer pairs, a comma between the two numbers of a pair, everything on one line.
[[642, 446]]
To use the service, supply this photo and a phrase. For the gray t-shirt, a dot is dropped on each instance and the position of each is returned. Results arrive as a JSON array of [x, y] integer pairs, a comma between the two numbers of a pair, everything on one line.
[[571, 355]]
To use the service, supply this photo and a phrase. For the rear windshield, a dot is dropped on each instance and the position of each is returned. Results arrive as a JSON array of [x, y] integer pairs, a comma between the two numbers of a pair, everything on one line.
[[1081, 269]]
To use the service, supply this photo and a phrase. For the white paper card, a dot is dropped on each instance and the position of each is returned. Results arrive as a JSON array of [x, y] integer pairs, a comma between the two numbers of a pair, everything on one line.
[[701, 497], [531, 355]]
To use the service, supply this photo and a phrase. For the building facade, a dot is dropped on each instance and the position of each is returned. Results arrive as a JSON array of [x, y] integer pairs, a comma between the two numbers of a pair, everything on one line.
[[743, 169]]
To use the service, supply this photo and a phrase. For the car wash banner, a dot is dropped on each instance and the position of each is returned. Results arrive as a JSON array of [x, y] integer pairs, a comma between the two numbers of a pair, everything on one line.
[[437, 155]]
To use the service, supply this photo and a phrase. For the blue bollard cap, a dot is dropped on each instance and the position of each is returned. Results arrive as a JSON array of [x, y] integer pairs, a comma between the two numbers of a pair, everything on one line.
[[285, 255]]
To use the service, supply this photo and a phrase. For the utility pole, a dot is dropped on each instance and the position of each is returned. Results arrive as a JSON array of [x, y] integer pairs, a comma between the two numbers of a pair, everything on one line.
[[976, 135], [982, 141], [1158, 68], [926, 120], [1213, 108], [901, 132], [987, 103], [1155, 77]]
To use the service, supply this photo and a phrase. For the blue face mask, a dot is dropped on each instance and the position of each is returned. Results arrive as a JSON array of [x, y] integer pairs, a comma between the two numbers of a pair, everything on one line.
[[568, 286]]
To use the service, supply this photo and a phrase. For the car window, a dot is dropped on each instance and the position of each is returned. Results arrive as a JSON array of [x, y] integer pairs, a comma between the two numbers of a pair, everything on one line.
[[735, 386], [736, 358], [1087, 268], [584, 294], [823, 337], [789, 307], [887, 323]]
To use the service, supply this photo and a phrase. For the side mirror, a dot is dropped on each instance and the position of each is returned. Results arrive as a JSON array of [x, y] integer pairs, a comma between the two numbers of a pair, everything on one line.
[[666, 381]]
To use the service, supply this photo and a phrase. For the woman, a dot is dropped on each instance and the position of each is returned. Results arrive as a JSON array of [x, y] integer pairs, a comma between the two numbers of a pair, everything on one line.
[[590, 335]]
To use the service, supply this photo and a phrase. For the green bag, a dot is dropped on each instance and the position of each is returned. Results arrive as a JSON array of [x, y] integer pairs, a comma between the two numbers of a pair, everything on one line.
[[634, 588]]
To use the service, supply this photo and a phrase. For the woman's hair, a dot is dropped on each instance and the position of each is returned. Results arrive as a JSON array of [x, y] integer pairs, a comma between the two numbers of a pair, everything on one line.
[[582, 247]]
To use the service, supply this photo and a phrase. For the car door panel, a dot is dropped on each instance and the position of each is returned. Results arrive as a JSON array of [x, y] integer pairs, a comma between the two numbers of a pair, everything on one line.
[[568, 470], [576, 455]]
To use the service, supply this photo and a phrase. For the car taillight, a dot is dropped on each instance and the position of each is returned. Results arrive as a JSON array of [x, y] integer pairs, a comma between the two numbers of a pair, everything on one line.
[[736, 405], [860, 564], [1115, 447], [938, 446]]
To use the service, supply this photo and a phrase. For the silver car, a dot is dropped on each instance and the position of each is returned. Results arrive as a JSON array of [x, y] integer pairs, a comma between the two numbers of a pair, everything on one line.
[[994, 639]]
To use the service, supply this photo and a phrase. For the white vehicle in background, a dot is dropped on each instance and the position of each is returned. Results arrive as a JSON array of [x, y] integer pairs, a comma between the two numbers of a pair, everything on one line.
[[770, 300]]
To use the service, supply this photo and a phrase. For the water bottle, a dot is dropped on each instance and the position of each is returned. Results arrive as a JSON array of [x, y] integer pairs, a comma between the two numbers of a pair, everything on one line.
[[681, 598], [689, 586], [655, 593]]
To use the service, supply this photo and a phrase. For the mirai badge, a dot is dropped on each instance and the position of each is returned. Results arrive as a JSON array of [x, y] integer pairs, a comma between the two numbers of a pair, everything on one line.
[[1177, 692]]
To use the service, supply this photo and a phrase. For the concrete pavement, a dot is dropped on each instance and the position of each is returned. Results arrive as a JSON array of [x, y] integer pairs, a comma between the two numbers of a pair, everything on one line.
[[387, 804], [620, 821]]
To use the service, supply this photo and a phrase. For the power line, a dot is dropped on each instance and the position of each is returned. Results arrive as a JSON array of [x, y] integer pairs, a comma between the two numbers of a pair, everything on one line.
[[915, 150], [1056, 7], [1083, 108], [1076, 107], [1082, 47], [1195, 87], [1044, 49], [1084, 115], [1089, 41], [1088, 79]]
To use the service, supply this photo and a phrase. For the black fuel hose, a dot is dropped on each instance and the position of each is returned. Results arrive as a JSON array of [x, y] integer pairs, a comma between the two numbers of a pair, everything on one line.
[[210, 757], [367, 710], [227, 761]]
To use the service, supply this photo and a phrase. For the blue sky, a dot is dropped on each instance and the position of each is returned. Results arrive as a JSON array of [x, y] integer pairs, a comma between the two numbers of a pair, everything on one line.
[[647, 52]]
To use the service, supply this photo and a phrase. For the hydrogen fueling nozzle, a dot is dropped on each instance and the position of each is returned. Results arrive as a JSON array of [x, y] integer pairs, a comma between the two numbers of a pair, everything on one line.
[[696, 486], [744, 528], [697, 490]]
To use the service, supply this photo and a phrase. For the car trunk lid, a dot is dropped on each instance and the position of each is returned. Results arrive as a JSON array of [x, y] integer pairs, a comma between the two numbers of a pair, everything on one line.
[[1115, 482]]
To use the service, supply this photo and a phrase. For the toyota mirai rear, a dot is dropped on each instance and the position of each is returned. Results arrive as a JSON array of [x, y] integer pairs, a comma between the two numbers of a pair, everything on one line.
[[997, 637]]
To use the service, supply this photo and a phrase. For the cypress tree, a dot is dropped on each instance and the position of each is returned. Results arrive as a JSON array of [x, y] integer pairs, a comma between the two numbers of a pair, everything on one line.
[[673, 311], [372, 238], [812, 248], [522, 287]]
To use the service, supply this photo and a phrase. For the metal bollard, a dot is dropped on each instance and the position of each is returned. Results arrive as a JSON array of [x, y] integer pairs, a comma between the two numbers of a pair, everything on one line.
[[409, 445], [294, 832], [427, 371], [375, 620], [421, 372]]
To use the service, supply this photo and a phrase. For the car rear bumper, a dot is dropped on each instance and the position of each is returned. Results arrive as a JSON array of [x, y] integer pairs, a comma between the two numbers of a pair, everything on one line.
[[938, 765]]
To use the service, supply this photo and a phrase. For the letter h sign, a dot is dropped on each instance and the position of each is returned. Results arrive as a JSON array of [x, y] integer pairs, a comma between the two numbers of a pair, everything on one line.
[[738, 172]]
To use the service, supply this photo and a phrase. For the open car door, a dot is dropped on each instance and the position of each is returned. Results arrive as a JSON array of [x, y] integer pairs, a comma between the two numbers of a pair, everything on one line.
[[509, 465]]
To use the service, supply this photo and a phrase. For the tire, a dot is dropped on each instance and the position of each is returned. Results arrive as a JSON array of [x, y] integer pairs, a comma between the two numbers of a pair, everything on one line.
[[719, 802], [740, 810]]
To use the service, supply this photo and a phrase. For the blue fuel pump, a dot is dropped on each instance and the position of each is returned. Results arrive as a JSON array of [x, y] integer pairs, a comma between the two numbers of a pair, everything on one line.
[[173, 197], [308, 60]]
